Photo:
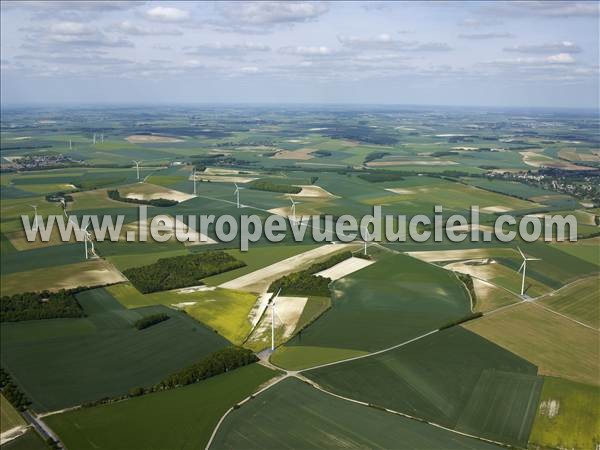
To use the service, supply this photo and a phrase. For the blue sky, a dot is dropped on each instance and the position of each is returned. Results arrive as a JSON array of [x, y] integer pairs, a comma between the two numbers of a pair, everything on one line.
[[436, 53]]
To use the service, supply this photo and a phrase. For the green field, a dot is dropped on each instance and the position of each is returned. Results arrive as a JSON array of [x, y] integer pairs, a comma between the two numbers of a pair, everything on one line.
[[558, 346], [581, 301], [586, 249], [181, 418], [567, 416], [295, 415], [391, 301], [441, 378], [9, 416], [64, 362], [29, 441]]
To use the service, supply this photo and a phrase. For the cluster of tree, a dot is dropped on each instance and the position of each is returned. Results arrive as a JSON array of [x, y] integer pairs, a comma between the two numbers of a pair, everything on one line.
[[114, 194], [58, 196], [322, 153], [468, 282], [148, 321], [263, 185], [381, 177], [443, 153], [12, 393], [361, 133], [306, 282], [375, 155], [313, 180], [218, 362], [40, 305], [181, 271]]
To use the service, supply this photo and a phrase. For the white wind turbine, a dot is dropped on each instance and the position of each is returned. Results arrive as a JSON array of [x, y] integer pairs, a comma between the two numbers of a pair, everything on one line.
[[367, 238], [194, 180], [524, 268], [293, 208], [63, 202], [273, 320], [137, 168], [237, 194], [35, 219]]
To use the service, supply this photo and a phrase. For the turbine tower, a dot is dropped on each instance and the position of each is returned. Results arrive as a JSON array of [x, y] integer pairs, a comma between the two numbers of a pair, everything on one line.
[[70, 144], [293, 208], [524, 268], [94, 139], [237, 195], [194, 180], [63, 202], [102, 138], [137, 168], [35, 219], [367, 237], [273, 320]]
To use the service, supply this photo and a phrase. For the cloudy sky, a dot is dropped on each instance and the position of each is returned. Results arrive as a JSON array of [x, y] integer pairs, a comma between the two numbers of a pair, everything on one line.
[[436, 53]]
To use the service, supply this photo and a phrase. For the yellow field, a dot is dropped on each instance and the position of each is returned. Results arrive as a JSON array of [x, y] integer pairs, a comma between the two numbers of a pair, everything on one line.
[[558, 346]]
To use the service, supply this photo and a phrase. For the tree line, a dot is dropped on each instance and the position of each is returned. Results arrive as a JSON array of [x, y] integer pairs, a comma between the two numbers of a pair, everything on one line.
[[148, 321], [180, 271], [12, 393], [216, 363], [40, 305], [306, 282], [114, 194], [263, 185]]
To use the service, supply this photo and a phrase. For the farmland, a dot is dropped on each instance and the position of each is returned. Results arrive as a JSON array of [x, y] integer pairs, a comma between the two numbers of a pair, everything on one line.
[[307, 418], [393, 310], [558, 346], [567, 415], [64, 353], [160, 420], [448, 378]]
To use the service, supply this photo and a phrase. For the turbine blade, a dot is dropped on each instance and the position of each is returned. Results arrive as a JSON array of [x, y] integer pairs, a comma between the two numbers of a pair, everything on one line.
[[521, 268], [522, 254]]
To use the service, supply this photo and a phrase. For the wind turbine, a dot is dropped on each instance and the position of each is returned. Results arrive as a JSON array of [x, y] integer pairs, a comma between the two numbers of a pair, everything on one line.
[[367, 237], [293, 208], [35, 219], [524, 268], [63, 202], [194, 180], [70, 144], [94, 138], [137, 167], [273, 320], [237, 194], [102, 138]]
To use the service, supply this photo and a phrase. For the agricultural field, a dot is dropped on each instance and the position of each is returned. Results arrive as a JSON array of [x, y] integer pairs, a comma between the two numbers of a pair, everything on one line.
[[180, 418], [392, 326], [449, 378], [365, 319], [567, 415], [558, 346], [10, 417], [303, 417], [57, 362]]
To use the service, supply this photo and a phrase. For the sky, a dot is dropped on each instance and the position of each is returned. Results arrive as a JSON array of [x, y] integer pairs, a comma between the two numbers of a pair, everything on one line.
[[532, 54]]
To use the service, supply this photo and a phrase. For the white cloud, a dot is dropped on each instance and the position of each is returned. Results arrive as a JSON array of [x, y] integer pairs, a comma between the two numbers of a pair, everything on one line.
[[561, 58], [560, 47], [484, 36], [264, 13], [301, 50], [167, 14], [128, 27], [223, 49], [72, 29], [385, 41]]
